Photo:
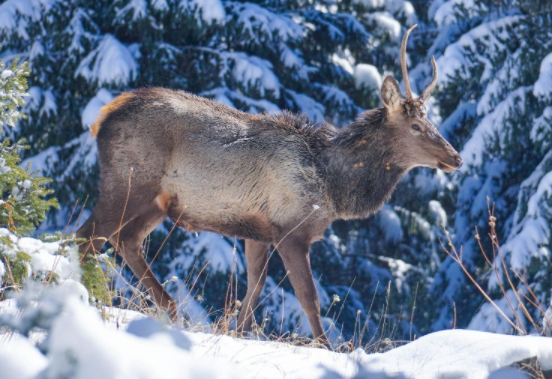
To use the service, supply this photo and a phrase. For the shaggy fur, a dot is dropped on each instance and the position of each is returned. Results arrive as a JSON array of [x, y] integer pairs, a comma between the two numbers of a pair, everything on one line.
[[270, 179]]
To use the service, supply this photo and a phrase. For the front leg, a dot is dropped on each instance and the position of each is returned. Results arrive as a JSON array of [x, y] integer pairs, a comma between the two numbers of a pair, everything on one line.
[[294, 251]]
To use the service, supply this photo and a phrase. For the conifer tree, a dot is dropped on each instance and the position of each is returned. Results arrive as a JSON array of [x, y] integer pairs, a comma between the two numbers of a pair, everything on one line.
[[325, 59], [24, 197], [494, 99]]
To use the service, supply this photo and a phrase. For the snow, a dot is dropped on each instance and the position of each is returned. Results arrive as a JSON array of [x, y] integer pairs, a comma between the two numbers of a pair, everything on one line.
[[307, 105], [492, 124], [160, 5], [446, 12], [261, 24], [439, 213], [36, 51], [293, 60], [455, 60], [49, 107], [219, 252], [136, 8], [92, 109], [547, 321], [44, 161], [78, 342], [343, 62], [110, 63], [15, 13], [81, 345], [459, 354], [543, 86], [209, 11], [371, 4], [385, 23], [542, 128], [45, 256], [367, 76], [4, 168], [256, 73], [489, 319], [2, 271], [390, 224], [19, 358]]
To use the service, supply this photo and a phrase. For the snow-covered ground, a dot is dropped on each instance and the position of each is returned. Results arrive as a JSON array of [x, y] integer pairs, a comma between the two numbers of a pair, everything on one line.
[[126, 344], [53, 332]]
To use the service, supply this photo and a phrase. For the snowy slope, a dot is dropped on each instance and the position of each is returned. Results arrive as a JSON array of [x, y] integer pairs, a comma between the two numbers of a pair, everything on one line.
[[53, 332], [80, 345]]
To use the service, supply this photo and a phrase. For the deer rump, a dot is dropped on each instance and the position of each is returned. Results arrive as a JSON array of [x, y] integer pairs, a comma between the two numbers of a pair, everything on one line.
[[208, 166], [165, 153]]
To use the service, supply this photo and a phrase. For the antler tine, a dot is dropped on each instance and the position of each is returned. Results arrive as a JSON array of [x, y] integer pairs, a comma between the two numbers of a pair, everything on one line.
[[403, 64], [425, 94]]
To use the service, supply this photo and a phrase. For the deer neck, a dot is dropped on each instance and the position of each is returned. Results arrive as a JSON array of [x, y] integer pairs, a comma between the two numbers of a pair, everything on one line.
[[361, 173]]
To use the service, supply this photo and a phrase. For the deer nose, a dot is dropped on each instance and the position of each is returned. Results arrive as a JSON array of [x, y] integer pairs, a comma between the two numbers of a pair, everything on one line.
[[458, 161]]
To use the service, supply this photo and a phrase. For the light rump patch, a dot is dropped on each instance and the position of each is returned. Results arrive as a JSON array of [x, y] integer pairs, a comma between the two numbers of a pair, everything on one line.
[[110, 107], [163, 201]]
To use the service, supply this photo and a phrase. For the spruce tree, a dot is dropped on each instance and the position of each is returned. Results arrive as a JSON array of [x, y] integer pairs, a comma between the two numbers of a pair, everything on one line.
[[25, 199], [494, 99], [322, 58]]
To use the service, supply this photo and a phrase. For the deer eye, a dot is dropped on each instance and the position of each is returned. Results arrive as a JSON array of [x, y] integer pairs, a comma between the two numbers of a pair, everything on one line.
[[416, 128]]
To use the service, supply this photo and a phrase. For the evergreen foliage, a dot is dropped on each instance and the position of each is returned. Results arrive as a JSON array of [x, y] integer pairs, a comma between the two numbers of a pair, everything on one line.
[[24, 201], [494, 99], [326, 59]]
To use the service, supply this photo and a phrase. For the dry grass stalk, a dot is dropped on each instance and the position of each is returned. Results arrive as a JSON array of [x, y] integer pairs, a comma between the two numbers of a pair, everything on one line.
[[516, 290]]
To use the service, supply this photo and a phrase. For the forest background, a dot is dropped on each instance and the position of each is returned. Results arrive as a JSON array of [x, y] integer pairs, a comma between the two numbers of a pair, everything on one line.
[[389, 274]]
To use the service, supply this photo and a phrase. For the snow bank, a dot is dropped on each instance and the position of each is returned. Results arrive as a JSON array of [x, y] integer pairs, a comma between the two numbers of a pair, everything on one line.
[[81, 345], [459, 354], [19, 358], [45, 256]]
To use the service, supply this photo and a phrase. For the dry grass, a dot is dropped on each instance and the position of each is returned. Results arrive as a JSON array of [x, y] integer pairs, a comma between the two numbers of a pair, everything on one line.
[[527, 301], [526, 298]]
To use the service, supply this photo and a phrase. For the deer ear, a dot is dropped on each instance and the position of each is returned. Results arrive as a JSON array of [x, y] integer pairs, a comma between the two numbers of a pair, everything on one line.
[[390, 94]]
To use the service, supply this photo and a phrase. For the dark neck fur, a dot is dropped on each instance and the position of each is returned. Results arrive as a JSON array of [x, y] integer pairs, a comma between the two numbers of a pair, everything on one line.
[[358, 179]]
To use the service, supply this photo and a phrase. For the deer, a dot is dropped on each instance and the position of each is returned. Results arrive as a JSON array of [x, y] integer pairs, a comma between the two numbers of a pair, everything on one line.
[[271, 179]]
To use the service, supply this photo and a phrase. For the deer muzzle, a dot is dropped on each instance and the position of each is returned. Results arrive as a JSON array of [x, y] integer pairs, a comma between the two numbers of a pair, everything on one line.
[[452, 164]]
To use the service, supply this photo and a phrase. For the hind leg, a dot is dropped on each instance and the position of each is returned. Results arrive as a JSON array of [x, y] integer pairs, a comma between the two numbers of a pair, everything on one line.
[[130, 241], [114, 210], [256, 254]]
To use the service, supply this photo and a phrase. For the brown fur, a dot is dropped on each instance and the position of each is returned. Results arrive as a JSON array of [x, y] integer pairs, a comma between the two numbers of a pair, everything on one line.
[[270, 179], [110, 107], [163, 201]]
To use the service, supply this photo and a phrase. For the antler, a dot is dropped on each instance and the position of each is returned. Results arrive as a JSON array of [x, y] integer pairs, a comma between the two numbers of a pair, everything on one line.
[[425, 94], [403, 65]]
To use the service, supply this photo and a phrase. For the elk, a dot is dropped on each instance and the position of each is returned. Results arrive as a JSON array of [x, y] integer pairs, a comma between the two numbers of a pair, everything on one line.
[[271, 179]]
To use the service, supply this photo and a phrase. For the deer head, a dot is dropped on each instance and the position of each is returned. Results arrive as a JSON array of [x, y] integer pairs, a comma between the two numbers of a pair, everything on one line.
[[417, 141]]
